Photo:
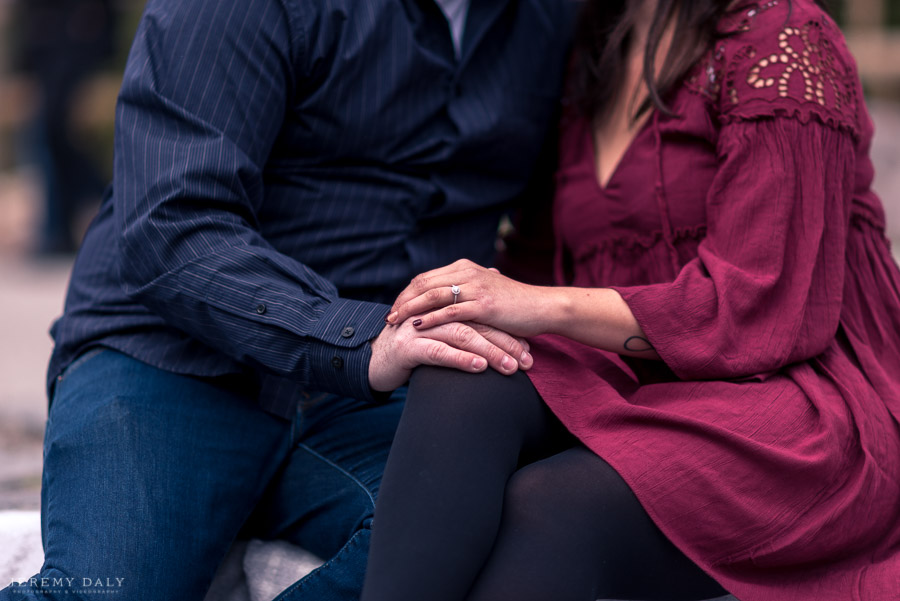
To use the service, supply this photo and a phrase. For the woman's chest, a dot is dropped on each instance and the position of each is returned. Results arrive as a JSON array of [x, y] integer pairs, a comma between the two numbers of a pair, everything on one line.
[[661, 180]]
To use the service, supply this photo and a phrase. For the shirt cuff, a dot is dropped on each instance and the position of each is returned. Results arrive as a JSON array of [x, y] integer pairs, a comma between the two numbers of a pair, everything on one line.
[[340, 361]]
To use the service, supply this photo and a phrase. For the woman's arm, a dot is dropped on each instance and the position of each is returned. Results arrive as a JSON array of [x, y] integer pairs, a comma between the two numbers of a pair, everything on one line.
[[765, 290], [598, 317]]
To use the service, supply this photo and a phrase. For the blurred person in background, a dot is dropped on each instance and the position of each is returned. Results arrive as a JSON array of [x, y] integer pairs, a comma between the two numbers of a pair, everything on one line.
[[61, 43]]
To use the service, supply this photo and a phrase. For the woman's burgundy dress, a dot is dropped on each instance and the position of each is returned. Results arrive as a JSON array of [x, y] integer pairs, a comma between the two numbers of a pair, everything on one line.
[[743, 235]]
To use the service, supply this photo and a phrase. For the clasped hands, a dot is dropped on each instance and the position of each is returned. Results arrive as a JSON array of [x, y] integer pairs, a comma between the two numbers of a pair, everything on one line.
[[484, 325]]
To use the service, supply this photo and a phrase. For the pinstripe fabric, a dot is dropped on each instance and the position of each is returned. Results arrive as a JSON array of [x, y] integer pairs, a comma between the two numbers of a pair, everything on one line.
[[283, 167]]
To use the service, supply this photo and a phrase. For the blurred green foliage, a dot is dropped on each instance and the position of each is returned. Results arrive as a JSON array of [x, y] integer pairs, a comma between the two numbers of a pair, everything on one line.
[[837, 9], [892, 10], [129, 14]]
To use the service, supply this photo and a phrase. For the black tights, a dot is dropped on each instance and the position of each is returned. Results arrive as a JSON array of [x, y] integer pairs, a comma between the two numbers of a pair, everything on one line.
[[486, 497]]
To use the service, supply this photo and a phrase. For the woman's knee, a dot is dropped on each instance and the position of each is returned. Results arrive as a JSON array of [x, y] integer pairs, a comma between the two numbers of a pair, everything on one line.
[[487, 401], [539, 500], [571, 503]]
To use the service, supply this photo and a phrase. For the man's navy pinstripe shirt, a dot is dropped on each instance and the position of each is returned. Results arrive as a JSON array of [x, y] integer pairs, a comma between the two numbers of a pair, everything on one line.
[[284, 167]]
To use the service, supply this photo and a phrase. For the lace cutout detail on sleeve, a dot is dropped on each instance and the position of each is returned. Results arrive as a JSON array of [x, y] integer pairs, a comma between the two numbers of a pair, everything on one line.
[[706, 79], [798, 70]]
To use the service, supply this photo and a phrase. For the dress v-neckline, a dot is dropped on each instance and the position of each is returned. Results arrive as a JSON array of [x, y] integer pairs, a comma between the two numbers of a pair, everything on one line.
[[592, 148]]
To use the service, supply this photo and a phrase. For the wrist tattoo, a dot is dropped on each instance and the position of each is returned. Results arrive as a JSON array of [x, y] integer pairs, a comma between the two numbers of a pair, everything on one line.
[[637, 344]]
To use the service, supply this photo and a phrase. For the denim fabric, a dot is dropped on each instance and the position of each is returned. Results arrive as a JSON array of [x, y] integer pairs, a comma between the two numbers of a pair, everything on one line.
[[150, 476]]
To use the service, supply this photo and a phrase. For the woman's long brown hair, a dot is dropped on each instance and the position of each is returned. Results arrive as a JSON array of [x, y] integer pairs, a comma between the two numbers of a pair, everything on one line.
[[603, 36]]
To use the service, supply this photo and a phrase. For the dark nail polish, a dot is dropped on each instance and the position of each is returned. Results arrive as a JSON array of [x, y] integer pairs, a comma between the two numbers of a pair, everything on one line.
[[417, 323]]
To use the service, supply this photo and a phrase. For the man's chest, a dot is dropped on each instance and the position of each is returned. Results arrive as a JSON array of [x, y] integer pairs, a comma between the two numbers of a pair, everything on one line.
[[390, 88]]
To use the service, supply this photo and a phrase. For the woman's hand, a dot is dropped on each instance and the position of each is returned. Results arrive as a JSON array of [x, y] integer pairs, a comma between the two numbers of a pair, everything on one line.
[[597, 317], [485, 296]]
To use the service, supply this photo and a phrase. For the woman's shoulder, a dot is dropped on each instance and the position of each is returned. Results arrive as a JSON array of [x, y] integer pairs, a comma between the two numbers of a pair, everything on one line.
[[780, 58], [751, 18]]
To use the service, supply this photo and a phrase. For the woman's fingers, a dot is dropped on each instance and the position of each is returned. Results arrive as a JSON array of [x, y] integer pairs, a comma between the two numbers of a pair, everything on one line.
[[430, 280], [410, 303], [434, 289], [444, 296], [426, 298], [468, 311], [470, 291]]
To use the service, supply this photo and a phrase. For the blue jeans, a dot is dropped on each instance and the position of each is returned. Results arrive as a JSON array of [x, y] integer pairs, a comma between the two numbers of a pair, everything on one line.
[[150, 476]]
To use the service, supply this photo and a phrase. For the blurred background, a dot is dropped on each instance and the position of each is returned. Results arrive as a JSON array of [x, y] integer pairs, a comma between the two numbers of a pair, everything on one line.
[[60, 69]]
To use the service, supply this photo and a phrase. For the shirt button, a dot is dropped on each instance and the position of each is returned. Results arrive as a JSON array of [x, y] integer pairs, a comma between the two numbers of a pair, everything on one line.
[[337, 362], [348, 332], [260, 309]]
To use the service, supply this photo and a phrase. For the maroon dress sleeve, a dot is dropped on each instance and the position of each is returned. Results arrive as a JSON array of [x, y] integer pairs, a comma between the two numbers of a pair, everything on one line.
[[765, 290]]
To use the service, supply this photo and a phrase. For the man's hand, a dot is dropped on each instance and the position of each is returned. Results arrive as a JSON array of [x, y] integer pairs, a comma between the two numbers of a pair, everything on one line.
[[464, 346]]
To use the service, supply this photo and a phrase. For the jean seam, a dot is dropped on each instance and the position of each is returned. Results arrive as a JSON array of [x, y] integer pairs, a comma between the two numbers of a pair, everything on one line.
[[342, 470], [78, 362], [302, 582], [68, 371]]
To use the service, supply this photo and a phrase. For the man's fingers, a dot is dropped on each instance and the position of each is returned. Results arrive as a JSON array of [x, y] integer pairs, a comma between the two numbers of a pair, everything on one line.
[[515, 347], [435, 352], [466, 338]]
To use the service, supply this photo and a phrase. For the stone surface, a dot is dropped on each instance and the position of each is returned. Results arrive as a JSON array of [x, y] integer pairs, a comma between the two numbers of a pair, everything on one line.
[[30, 298], [252, 571], [20, 555]]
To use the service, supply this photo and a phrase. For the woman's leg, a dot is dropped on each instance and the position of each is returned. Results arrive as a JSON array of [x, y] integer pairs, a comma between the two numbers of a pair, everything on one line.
[[438, 511], [572, 530]]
